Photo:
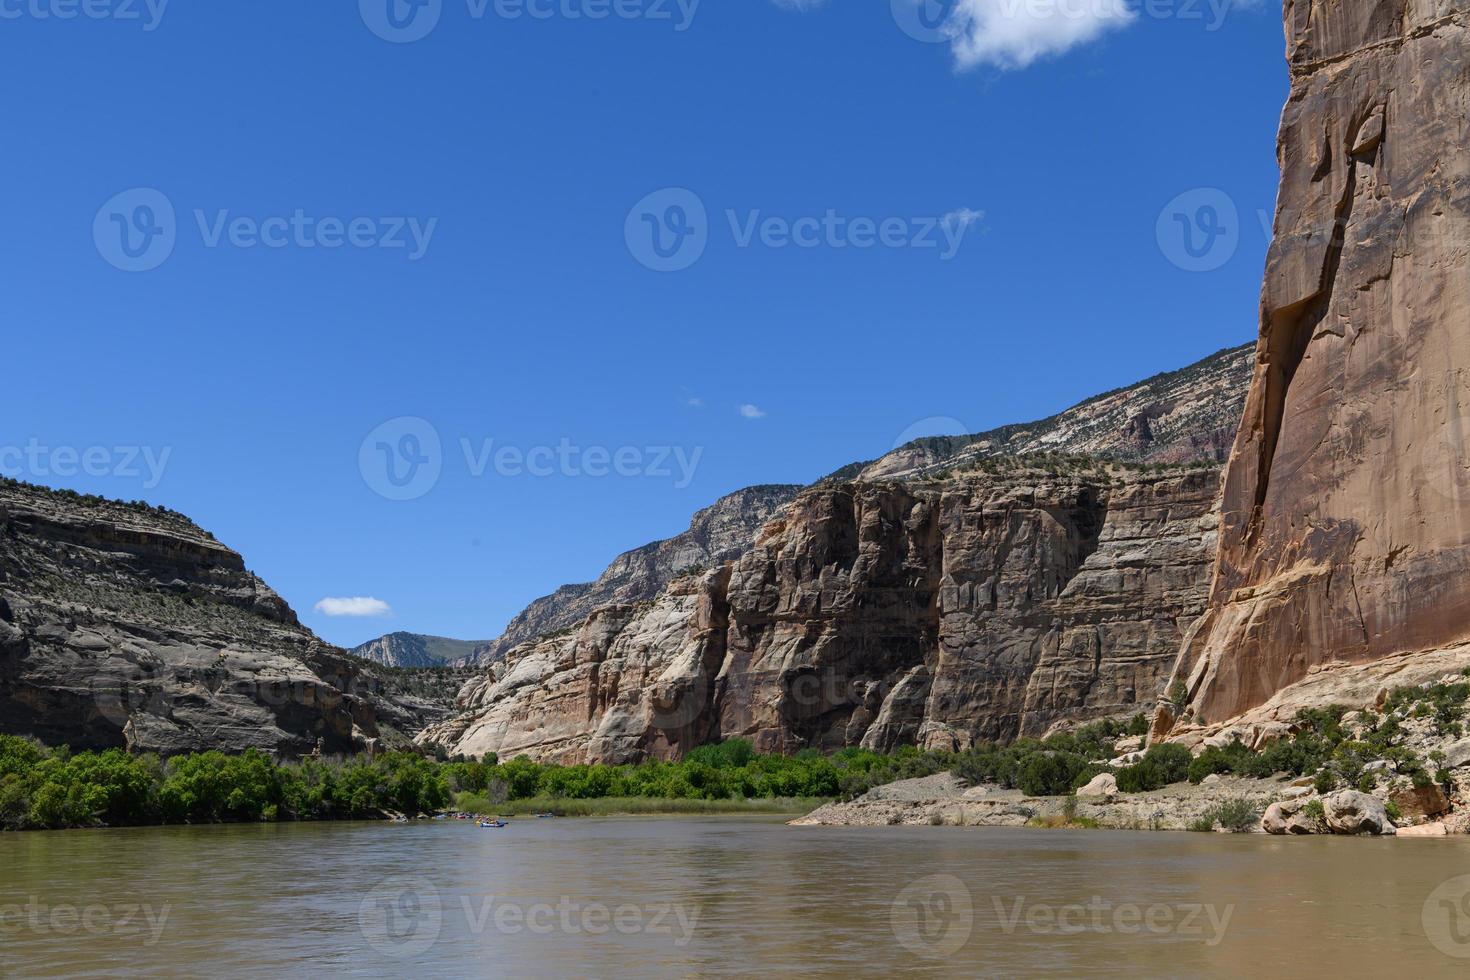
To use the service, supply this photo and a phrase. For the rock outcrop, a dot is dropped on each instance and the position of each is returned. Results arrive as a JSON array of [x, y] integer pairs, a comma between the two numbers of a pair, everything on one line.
[[1290, 817], [1346, 516], [126, 625], [975, 608]]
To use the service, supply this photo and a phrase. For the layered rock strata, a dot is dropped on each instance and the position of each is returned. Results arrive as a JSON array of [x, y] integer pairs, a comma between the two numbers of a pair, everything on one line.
[[881, 614]]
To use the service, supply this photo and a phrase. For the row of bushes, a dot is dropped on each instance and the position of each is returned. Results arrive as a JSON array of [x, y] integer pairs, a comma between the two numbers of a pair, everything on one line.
[[729, 770], [56, 788], [41, 788]]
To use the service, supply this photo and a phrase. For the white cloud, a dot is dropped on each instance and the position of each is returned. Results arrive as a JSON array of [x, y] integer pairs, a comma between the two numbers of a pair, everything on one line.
[[751, 412], [1015, 33], [962, 218], [356, 606]]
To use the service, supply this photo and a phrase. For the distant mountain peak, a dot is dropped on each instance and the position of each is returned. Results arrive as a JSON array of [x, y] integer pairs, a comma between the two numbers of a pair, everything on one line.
[[403, 649]]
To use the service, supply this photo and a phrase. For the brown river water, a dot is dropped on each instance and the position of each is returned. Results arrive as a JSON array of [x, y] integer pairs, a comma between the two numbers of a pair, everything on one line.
[[725, 896]]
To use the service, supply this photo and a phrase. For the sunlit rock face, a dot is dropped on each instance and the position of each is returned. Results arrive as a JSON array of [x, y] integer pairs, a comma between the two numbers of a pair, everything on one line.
[[878, 614], [1346, 513]]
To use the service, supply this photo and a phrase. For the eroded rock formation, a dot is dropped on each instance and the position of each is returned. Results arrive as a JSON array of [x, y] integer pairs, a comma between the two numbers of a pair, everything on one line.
[[881, 614], [1346, 524]]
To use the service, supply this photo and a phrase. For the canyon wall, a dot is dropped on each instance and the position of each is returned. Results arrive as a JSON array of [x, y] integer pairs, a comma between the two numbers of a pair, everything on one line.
[[1346, 516], [123, 625], [974, 608]]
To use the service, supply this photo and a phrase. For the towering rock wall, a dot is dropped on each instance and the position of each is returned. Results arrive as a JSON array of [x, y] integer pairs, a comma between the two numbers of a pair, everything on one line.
[[1346, 524], [881, 614]]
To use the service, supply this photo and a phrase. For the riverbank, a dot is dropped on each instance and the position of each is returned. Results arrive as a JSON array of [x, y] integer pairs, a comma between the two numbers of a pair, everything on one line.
[[1234, 804], [1398, 766]]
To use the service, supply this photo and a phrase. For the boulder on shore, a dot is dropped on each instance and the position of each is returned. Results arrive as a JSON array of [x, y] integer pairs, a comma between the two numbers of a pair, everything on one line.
[[1421, 801], [1425, 830], [1289, 817], [1351, 812], [1104, 784]]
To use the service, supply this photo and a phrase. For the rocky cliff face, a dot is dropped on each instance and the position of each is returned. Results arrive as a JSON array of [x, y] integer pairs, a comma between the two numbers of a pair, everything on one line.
[[1346, 528], [1181, 416], [719, 533], [977, 607], [122, 625]]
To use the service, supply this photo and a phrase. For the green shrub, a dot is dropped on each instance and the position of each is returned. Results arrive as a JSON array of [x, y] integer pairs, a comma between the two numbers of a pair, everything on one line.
[[1161, 765], [1216, 759], [1049, 773], [1239, 816]]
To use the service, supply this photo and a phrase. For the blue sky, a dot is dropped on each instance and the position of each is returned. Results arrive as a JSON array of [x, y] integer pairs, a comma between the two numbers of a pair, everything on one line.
[[986, 225]]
